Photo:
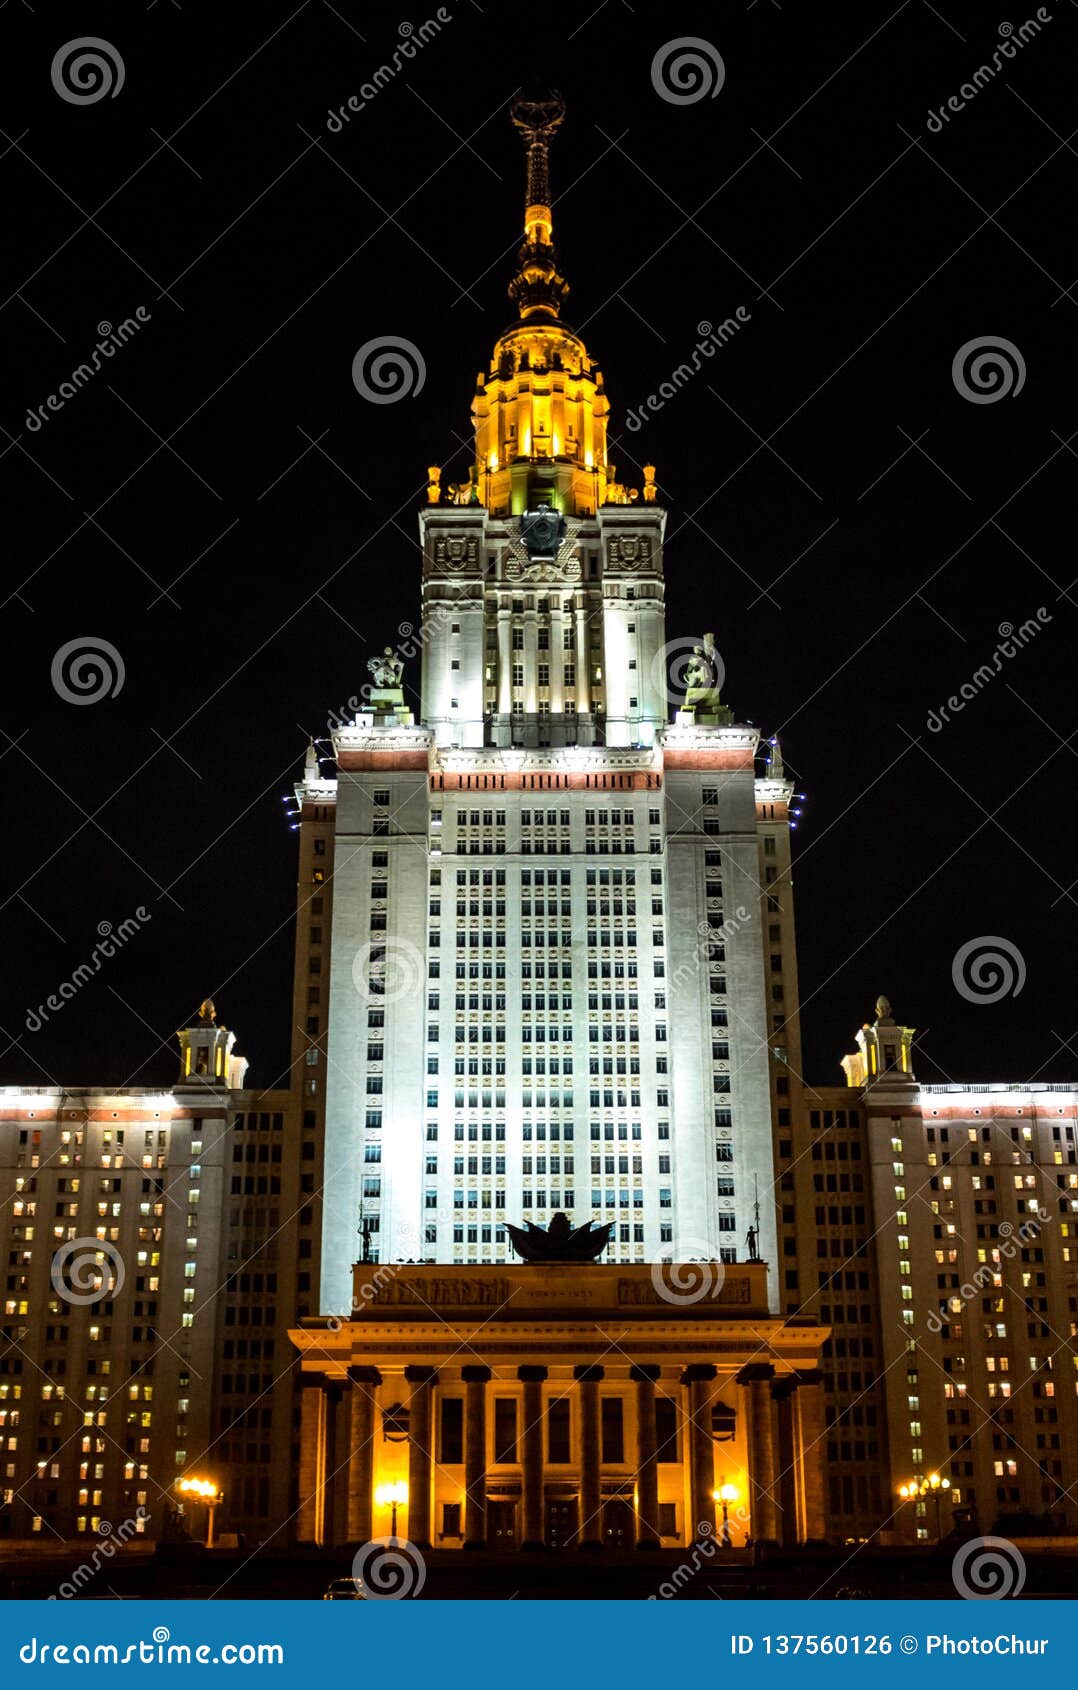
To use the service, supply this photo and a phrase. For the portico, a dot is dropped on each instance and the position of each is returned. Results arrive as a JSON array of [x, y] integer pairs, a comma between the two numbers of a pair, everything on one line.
[[559, 1405]]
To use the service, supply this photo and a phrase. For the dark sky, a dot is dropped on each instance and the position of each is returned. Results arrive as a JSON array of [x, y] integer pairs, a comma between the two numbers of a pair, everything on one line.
[[222, 506]]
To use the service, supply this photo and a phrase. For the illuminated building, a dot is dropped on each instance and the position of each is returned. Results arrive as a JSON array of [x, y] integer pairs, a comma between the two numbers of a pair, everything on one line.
[[156, 1244], [545, 960], [607, 1411], [554, 972]]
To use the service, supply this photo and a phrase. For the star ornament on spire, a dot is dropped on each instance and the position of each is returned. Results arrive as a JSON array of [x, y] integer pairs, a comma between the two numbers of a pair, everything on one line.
[[538, 289]]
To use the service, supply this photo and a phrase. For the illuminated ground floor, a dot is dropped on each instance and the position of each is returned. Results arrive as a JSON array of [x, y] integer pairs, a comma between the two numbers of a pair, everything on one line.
[[561, 1406]]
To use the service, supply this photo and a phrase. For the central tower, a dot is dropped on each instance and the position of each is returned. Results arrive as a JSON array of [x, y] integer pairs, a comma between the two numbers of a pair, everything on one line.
[[559, 976], [542, 573]]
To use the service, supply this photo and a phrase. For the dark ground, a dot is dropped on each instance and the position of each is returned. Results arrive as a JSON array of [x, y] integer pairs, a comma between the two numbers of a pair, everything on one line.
[[452, 1576]]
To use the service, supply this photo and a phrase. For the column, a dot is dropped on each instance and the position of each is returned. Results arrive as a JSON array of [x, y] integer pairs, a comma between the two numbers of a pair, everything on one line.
[[789, 1492], [420, 1452], [475, 1456], [647, 1458], [505, 661], [583, 671], [365, 1382], [309, 1515], [763, 1508], [699, 1379], [810, 1436], [334, 1512], [532, 1455], [591, 1500]]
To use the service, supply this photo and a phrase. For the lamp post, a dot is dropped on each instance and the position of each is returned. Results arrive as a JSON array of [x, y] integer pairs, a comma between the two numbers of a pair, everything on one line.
[[392, 1496], [203, 1490], [725, 1494], [932, 1486]]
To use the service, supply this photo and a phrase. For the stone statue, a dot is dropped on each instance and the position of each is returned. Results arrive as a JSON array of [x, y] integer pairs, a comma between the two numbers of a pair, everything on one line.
[[751, 1244], [561, 1241], [386, 671], [697, 673], [703, 668]]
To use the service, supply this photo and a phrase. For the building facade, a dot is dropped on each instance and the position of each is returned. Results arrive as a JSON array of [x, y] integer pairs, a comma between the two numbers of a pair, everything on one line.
[[156, 1245], [545, 961]]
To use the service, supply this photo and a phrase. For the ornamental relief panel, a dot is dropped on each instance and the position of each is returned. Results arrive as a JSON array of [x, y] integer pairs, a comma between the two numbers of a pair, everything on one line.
[[455, 554]]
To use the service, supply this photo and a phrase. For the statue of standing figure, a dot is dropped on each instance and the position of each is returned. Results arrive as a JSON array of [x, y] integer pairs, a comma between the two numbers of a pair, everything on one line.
[[386, 671]]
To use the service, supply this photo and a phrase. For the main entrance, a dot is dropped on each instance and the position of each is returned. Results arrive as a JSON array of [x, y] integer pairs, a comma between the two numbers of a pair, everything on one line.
[[618, 1524], [502, 1525]]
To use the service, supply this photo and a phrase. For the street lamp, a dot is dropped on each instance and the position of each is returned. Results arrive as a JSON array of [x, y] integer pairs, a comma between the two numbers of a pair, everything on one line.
[[392, 1496], [933, 1486], [203, 1490], [725, 1494]]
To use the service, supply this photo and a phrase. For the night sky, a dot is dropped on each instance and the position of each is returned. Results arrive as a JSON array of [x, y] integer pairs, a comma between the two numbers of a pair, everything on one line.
[[223, 508]]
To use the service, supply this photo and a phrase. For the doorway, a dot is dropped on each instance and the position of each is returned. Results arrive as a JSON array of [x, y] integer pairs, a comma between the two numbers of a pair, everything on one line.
[[561, 1524], [619, 1524], [502, 1525]]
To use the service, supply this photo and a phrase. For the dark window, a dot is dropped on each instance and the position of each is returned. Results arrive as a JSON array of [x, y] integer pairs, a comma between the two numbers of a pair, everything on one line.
[[450, 1519], [505, 1429], [558, 1430], [452, 1430], [668, 1519], [612, 1430], [666, 1429]]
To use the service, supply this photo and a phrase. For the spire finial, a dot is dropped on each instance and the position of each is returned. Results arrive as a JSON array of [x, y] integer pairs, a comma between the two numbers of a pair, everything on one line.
[[537, 289]]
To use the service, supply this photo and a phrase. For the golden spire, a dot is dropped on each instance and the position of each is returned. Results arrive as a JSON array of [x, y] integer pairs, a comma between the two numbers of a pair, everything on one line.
[[538, 289]]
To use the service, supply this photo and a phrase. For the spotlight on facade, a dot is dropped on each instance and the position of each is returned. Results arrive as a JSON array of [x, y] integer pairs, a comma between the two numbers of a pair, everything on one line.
[[394, 1496]]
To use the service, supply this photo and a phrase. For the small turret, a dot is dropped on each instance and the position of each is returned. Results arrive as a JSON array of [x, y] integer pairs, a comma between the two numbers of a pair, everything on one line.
[[206, 1052], [884, 1051]]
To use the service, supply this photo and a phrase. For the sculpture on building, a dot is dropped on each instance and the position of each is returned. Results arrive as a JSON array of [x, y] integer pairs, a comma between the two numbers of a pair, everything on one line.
[[386, 671], [560, 1241], [542, 531]]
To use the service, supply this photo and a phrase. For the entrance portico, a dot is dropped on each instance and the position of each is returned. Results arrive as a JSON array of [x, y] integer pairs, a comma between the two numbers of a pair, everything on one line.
[[562, 1406]]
